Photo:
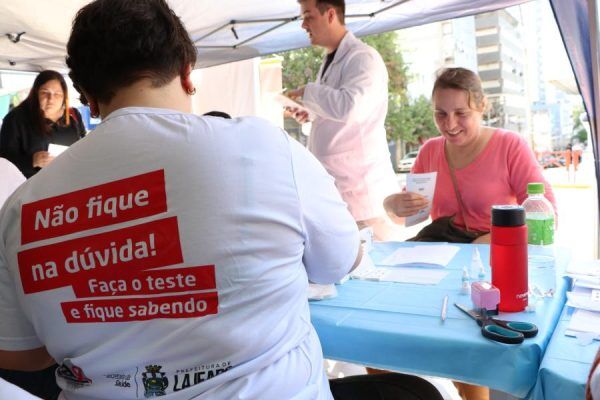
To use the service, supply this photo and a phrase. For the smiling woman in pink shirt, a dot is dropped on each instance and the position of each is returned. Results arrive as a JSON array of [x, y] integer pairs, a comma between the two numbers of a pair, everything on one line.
[[490, 165]]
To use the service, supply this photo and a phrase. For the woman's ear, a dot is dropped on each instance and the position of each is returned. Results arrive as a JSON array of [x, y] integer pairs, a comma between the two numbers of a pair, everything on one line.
[[484, 104]]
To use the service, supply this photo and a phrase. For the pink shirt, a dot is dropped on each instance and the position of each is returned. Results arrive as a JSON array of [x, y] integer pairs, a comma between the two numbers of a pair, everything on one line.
[[499, 175]]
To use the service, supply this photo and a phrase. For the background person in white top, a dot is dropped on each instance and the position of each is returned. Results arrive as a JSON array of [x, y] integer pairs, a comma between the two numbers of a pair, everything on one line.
[[349, 100], [168, 254]]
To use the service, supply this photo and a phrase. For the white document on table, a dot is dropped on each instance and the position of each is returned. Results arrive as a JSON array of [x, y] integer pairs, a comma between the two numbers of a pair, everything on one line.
[[423, 184], [584, 321], [56, 149], [433, 256], [584, 298], [582, 283], [589, 268], [367, 271]]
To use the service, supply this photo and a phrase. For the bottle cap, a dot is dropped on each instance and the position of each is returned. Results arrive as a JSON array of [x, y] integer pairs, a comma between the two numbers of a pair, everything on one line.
[[508, 215], [536, 188]]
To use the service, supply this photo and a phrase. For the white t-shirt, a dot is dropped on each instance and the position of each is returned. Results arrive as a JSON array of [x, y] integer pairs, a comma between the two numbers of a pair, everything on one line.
[[167, 254], [10, 179]]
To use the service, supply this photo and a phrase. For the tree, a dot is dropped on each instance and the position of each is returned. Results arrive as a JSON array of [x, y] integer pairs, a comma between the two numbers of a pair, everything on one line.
[[301, 66], [579, 132], [407, 120]]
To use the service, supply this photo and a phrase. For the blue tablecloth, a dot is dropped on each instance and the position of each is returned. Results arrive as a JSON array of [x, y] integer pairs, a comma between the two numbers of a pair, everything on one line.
[[565, 366], [398, 327]]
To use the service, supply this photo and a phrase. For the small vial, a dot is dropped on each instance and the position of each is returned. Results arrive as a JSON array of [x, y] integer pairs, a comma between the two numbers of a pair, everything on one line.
[[476, 264], [481, 274], [466, 284]]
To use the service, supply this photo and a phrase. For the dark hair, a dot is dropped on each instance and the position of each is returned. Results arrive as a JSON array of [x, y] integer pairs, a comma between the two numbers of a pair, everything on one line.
[[115, 43], [338, 5], [32, 103], [218, 114], [462, 79]]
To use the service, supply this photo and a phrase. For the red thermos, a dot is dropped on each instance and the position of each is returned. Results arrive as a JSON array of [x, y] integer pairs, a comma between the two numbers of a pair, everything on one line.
[[508, 257]]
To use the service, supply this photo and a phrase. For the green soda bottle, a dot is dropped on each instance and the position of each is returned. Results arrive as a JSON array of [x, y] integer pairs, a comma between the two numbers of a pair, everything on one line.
[[539, 216]]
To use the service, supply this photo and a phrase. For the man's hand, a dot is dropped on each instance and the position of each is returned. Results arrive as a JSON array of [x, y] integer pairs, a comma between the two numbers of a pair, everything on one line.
[[295, 94], [404, 204], [41, 159], [299, 115]]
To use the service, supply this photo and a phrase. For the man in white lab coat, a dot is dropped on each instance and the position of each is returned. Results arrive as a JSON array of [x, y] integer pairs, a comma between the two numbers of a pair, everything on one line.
[[347, 105]]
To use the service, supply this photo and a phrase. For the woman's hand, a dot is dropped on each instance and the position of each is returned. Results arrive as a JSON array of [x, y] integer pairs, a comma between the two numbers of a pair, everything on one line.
[[404, 204], [41, 159], [486, 239]]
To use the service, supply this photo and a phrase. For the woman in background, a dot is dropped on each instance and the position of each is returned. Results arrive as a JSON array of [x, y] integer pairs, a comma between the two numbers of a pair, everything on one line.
[[44, 117]]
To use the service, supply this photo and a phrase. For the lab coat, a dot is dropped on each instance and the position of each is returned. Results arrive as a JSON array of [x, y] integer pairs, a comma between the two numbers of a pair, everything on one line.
[[349, 105]]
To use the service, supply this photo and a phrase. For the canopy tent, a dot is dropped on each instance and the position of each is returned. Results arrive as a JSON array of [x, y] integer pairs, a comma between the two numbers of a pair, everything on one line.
[[34, 33]]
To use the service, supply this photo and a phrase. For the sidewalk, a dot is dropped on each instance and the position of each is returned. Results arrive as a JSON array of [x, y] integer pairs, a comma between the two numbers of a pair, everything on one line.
[[576, 200]]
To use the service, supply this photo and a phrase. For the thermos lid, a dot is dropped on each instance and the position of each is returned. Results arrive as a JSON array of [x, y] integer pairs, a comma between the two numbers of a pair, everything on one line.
[[508, 215], [535, 188]]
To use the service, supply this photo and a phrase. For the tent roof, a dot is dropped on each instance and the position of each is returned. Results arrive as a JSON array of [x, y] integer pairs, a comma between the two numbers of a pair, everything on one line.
[[223, 31]]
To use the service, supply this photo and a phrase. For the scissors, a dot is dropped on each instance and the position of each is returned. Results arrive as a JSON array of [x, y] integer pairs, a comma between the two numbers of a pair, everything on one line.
[[510, 332]]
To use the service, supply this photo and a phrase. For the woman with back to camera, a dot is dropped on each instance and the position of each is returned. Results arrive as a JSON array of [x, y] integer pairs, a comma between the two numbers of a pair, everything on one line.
[[44, 117], [477, 166]]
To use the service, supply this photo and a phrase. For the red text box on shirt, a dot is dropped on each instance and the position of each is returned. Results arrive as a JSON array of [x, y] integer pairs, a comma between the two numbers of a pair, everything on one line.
[[140, 247], [172, 280], [107, 204], [126, 309]]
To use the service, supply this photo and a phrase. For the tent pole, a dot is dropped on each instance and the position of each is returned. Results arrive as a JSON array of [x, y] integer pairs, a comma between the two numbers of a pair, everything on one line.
[[594, 125]]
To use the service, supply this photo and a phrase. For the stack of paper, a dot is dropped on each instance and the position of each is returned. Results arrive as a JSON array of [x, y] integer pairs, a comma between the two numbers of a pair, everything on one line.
[[585, 297], [585, 273]]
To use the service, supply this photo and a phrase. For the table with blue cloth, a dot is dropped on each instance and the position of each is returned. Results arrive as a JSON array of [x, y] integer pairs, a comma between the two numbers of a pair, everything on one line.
[[397, 326], [565, 366]]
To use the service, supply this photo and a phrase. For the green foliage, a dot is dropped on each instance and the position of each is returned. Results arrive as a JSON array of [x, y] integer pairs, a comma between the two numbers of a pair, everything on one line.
[[412, 120], [386, 45], [301, 66], [579, 132], [407, 119]]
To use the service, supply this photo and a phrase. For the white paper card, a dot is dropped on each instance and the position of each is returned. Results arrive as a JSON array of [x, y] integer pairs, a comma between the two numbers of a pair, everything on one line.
[[437, 256], [423, 184], [56, 149]]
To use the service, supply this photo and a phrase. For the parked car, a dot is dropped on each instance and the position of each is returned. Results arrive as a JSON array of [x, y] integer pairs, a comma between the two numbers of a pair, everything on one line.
[[407, 161], [552, 160]]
